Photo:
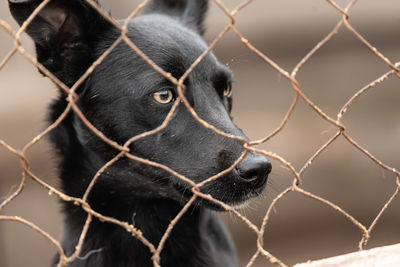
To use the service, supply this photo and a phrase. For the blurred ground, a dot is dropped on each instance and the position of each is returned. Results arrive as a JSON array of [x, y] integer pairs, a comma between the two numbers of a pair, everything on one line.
[[299, 228]]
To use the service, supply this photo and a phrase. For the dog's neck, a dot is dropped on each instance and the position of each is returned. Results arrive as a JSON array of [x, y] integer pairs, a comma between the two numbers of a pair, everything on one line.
[[117, 245], [150, 216]]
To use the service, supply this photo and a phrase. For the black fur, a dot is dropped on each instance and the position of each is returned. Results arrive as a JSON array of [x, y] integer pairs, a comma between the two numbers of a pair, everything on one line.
[[117, 98]]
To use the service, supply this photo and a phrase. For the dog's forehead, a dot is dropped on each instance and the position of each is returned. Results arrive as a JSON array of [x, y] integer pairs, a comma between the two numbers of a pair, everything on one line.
[[167, 42], [167, 37]]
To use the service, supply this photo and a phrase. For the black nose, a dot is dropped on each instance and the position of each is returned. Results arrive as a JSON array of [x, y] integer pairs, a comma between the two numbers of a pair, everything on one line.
[[254, 168]]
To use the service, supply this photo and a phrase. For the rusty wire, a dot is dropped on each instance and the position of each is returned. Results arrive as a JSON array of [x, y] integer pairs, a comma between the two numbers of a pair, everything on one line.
[[124, 150]]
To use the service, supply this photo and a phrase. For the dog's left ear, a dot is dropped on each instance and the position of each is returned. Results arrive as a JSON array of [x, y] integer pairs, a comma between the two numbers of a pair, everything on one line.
[[189, 12]]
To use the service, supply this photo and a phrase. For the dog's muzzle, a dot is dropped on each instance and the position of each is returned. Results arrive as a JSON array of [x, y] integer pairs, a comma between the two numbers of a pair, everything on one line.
[[254, 170]]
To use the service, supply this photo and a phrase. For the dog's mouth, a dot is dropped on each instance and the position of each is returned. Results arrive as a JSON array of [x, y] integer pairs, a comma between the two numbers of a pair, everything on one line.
[[229, 189]]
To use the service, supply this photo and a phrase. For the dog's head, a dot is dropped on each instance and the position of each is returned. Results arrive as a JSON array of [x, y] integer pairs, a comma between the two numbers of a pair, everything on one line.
[[125, 96]]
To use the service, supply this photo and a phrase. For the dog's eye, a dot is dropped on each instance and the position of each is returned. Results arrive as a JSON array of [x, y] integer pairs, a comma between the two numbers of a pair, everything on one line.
[[228, 90], [165, 96]]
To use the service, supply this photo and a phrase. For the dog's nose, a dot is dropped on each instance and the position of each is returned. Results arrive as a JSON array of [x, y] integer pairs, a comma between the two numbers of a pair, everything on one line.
[[254, 168]]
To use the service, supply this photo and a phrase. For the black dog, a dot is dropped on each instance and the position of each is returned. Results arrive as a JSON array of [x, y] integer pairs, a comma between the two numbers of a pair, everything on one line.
[[124, 97]]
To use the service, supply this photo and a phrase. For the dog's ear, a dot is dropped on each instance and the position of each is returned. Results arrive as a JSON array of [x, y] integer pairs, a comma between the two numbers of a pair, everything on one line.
[[189, 12], [63, 32]]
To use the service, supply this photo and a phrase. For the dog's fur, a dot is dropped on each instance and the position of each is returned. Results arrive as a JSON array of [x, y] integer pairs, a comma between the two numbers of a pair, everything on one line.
[[117, 98]]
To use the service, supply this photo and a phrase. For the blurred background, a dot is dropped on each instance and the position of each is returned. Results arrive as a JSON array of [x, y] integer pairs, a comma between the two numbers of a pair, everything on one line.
[[299, 228]]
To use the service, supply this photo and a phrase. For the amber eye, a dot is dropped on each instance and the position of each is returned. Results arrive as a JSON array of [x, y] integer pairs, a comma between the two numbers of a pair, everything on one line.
[[165, 96], [228, 90]]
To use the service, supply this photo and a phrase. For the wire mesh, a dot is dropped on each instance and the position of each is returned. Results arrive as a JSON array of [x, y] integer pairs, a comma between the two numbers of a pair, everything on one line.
[[124, 150]]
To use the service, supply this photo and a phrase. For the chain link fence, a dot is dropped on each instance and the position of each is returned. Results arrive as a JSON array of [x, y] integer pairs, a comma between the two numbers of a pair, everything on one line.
[[262, 250]]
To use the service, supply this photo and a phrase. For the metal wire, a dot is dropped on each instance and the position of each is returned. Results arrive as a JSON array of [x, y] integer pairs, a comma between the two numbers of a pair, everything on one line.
[[124, 150]]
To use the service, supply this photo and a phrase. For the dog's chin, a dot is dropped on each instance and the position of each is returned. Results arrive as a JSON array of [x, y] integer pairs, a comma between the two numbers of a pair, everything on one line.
[[236, 200]]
